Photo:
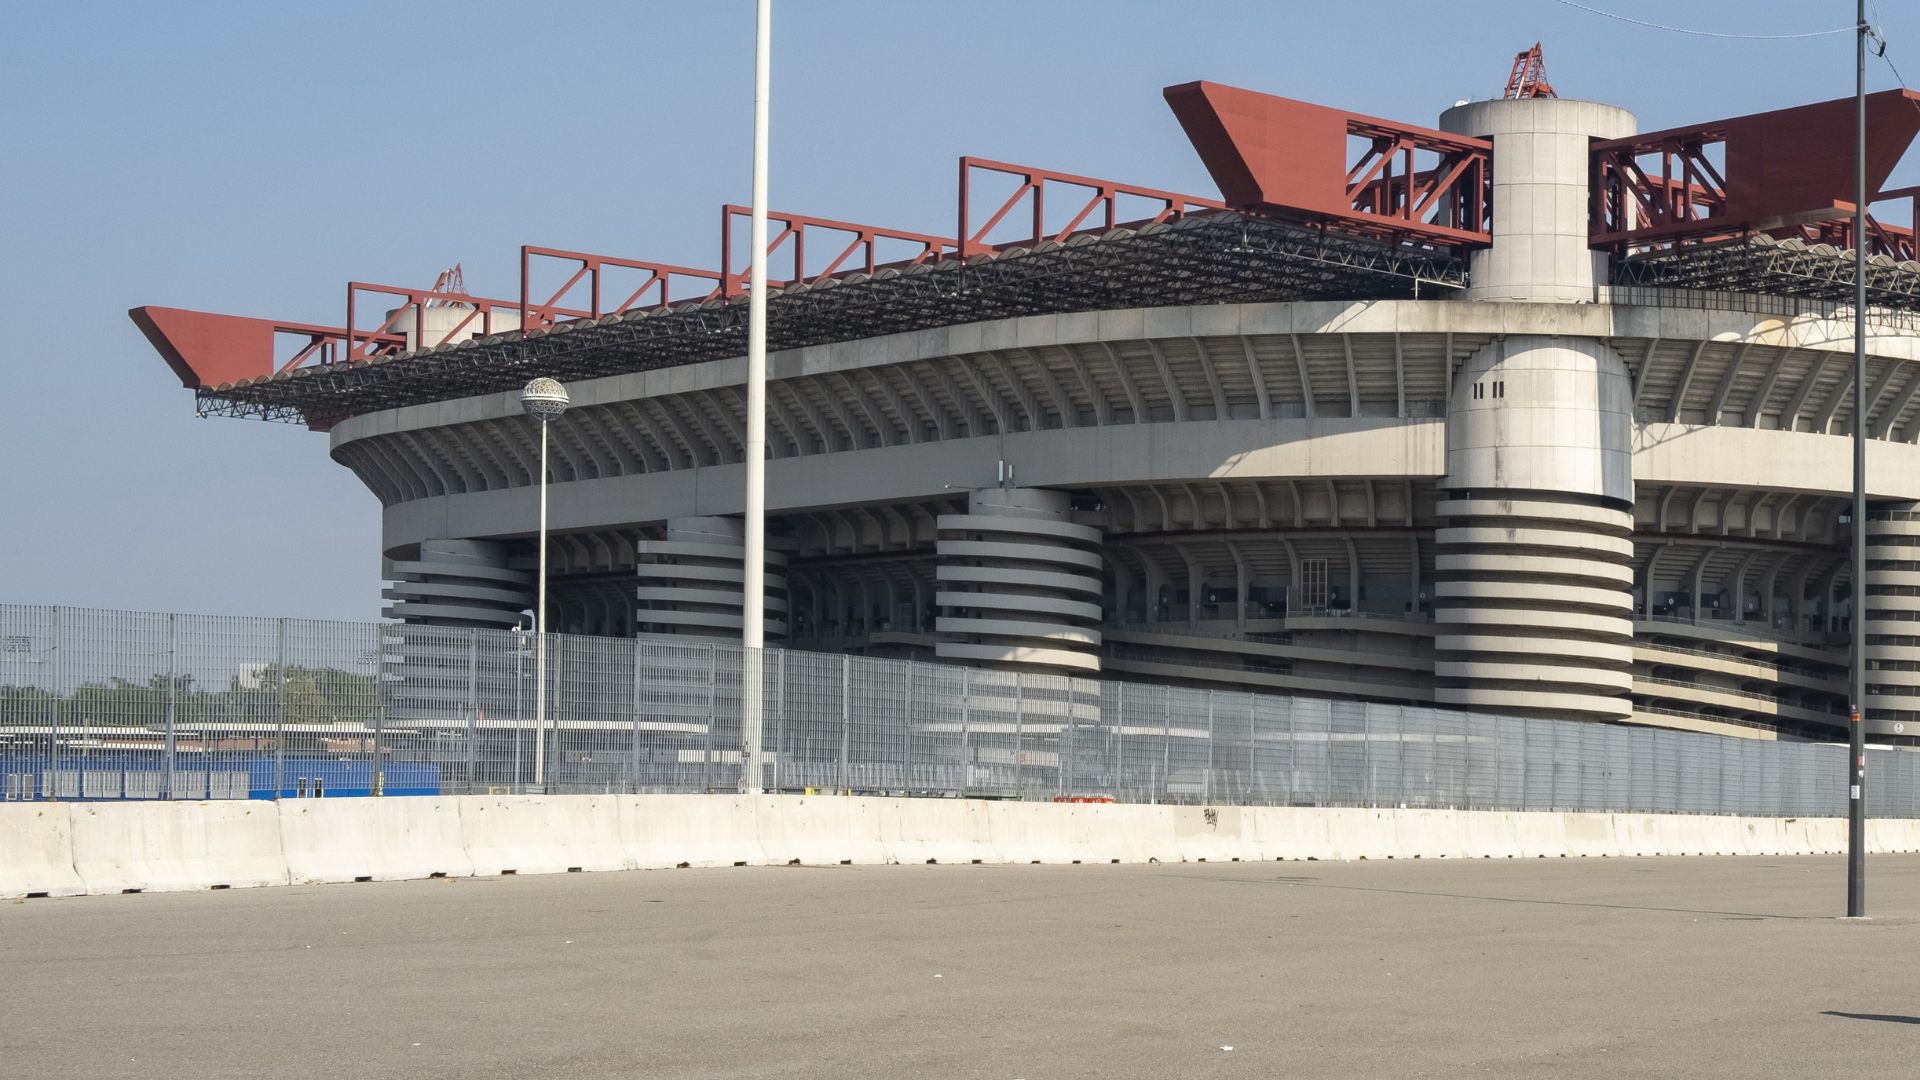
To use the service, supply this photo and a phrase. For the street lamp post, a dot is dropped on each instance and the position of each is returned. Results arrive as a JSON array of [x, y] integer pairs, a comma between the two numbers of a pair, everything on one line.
[[543, 399], [753, 610], [1857, 689]]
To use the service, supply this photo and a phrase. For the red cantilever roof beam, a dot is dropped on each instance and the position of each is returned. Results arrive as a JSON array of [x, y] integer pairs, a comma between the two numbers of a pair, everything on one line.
[[1785, 171], [1290, 158]]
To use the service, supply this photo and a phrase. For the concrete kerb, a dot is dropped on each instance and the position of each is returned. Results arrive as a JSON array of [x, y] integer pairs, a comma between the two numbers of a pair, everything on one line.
[[1539, 834], [667, 831], [111, 847], [934, 830], [1590, 835], [543, 834], [1361, 833], [1488, 834], [1216, 833], [36, 852], [1080, 832], [818, 830], [169, 847], [1430, 834], [373, 839], [1290, 832]]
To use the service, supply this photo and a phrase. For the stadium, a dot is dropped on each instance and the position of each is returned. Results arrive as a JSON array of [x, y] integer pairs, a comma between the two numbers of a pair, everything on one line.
[[1528, 412]]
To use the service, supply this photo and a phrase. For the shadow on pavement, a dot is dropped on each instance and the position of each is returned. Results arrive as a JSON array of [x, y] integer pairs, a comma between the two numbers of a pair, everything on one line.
[[1887, 1017]]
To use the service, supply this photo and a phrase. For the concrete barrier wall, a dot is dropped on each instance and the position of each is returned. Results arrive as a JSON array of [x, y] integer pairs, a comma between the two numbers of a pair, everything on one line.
[[56, 849]]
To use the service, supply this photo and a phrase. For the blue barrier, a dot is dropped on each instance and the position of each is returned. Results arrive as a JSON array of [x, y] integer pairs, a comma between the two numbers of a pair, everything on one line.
[[123, 775]]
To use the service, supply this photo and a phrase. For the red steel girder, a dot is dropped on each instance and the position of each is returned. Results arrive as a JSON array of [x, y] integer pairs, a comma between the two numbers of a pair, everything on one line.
[[1093, 198], [1784, 171], [856, 243], [1291, 159], [385, 340], [594, 271]]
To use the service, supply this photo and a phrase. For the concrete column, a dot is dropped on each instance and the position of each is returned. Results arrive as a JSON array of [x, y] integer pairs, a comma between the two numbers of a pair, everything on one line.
[[1534, 602], [1541, 148], [691, 582], [1019, 582]]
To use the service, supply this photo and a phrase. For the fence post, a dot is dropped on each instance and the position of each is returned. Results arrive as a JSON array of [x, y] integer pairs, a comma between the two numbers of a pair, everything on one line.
[[966, 734], [713, 684], [173, 649], [53, 713], [473, 701], [846, 723], [519, 705], [1206, 785], [1166, 744], [906, 736], [379, 718], [633, 776], [780, 721], [1019, 735], [280, 721], [1063, 747]]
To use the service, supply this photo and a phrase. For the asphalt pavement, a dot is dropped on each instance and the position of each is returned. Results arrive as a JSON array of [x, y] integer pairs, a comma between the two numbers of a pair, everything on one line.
[[1707, 967]]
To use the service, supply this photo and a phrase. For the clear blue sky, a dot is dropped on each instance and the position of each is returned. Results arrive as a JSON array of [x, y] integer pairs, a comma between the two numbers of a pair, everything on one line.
[[253, 157]]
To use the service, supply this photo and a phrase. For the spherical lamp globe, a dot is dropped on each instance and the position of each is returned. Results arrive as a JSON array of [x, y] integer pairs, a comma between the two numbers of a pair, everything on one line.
[[544, 398]]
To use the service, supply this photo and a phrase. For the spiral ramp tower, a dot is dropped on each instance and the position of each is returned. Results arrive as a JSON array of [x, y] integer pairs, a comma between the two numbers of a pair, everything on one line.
[[1019, 583], [1534, 602], [692, 582], [443, 600], [1893, 620], [458, 583]]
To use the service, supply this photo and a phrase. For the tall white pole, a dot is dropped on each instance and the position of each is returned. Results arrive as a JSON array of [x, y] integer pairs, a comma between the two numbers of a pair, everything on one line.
[[754, 572], [540, 634]]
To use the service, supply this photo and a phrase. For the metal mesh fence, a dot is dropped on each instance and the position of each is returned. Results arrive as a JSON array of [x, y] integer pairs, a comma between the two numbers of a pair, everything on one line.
[[135, 705]]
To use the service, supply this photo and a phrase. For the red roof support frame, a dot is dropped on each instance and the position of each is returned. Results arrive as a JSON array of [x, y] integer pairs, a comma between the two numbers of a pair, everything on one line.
[[1102, 196], [596, 271], [207, 350], [385, 340], [1292, 159], [1786, 173], [861, 243]]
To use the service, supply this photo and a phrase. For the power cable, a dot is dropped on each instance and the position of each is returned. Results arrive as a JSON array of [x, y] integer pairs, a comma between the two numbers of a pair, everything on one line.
[[1849, 29]]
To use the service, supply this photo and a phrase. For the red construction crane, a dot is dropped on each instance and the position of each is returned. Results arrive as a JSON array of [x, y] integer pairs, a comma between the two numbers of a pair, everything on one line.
[[1529, 78]]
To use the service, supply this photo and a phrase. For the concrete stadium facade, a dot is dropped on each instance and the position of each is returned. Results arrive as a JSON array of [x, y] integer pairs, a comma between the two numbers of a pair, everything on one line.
[[1543, 493]]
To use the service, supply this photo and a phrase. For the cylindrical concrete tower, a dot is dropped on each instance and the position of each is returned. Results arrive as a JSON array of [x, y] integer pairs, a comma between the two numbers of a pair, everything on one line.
[[1019, 582], [458, 583], [1534, 600], [1542, 152], [1893, 620], [691, 582]]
